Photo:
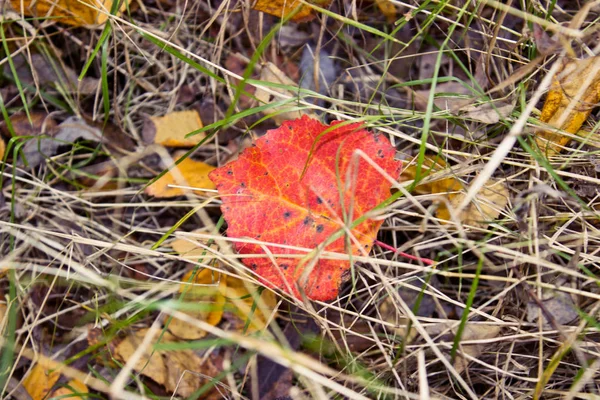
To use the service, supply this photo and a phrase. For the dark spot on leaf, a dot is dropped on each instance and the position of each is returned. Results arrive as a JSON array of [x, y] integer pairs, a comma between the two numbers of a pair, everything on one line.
[[306, 221], [319, 201], [253, 265], [258, 236], [287, 214], [266, 173], [380, 153], [320, 228], [284, 267], [242, 184], [229, 172], [376, 138]]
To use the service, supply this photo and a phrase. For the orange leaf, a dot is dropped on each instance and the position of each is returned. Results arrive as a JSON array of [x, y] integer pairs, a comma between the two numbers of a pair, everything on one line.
[[71, 12], [72, 391], [281, 8], [188, 173], [267, 197], [564, 91], [40, 380]]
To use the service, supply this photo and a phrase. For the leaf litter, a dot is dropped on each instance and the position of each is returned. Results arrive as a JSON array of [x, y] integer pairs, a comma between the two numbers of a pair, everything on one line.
[[109, 260]]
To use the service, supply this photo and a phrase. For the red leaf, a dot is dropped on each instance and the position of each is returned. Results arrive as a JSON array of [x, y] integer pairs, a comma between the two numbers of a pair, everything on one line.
[[264, 199]]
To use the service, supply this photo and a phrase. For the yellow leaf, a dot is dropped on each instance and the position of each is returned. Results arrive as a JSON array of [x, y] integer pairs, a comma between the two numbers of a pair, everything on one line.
[[40, 380], [188, 173], [565, 90], [486, 207], [2, 149], [72, 390], [281, 8], [241, 296], [210, 300], [71, 12], [388, 9], [171, 129], [270, 73]]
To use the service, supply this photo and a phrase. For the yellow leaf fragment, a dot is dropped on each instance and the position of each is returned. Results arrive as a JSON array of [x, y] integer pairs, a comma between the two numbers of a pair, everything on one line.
[[72, 391], [71, 12], [575, 91], [281, 8], [204, 289], [188, 173], [388, 9], [2, 149], [41, 379], [171, 129], [270, 73], [252, 311], [486, 207], [181, 371]]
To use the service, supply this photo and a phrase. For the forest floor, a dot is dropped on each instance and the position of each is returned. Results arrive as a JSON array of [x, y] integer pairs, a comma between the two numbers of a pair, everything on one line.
[[440, 241]]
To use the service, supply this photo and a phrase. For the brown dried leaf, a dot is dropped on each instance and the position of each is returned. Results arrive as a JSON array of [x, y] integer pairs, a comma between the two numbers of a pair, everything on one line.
[[488, 113], [170, 130], [2, 149], [271, 73], [45, 71], [474, 332], [178, 371], [188, 173], [575, 91]]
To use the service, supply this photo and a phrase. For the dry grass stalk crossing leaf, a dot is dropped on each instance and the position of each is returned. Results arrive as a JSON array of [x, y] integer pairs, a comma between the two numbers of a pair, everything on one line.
[[575, 91], [189, 173], [282, 8], [71, 12], [171, 129]]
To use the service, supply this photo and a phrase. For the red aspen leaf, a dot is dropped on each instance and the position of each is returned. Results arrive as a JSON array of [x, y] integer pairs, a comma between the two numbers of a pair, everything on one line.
[[266, 198]]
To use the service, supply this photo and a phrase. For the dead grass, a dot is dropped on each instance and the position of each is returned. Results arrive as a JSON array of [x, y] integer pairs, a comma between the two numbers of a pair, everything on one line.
[[78, 262]]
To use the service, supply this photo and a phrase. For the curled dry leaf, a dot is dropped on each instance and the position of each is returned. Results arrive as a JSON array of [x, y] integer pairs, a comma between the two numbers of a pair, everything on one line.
[[37, 149], [71, 12], [488, 113], [474, 332], [189, 173], [171, 130], [181, 371], [282, 8], [38, 69], [272, 74], [575, 91], [267, 197], [487, 206]]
